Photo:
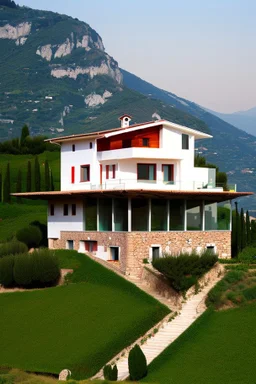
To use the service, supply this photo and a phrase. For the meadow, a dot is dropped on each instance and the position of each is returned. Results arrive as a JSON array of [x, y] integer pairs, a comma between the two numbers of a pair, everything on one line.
[[79, 326]]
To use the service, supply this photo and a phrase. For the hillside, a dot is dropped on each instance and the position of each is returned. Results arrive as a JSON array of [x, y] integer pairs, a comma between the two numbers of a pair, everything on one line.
[[232, 149], [59, 79]]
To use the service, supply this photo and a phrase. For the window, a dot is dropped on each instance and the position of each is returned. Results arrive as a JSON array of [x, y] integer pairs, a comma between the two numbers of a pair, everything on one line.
[[85, 172], [70, 244], [91, 246], [146, 172], [72, 175], [145, 142], [73, 210], [73, 148], [65, 209], [110, 171], [90, 145], [185, 141], [127, 143], [52, 210], [168, 174]]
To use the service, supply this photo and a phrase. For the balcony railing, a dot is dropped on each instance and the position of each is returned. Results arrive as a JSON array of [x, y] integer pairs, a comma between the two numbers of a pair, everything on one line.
[[178, 185]]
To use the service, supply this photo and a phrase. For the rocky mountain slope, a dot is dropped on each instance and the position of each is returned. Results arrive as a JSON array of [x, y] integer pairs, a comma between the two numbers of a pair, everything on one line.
[[57, 77]]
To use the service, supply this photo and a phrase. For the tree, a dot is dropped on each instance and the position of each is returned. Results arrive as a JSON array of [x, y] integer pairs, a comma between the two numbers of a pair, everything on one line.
[[24, 135], [37, 175], [52, 184], [7, 185], [47, 178], [242, 227], [248, 229], [29, 177], [137, 363], [19, 186]]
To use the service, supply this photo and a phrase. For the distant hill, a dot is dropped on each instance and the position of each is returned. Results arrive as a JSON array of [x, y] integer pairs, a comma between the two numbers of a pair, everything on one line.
[[245, 120]]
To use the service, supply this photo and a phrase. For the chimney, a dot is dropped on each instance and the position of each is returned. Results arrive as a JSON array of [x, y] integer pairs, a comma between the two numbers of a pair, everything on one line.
[[125, 121]]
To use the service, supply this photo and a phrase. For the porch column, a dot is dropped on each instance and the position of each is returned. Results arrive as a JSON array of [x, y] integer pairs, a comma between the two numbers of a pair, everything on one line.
[[203, 215], [168, 215], [113, 215], [185, 215], [129, 214], [149, 215]]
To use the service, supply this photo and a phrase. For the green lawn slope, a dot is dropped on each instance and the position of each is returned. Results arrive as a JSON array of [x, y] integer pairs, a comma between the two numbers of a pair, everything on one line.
[[79, 326], [220, 347]]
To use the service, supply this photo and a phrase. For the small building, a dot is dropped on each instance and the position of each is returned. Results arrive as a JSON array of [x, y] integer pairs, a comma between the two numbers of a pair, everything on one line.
[[133, 193]]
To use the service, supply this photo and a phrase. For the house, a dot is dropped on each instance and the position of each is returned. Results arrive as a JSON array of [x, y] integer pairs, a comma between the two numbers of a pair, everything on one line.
[[133, 193]]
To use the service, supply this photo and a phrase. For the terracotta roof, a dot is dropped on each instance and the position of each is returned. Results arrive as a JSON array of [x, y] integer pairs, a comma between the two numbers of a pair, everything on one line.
[[125, 115], [203, 195]]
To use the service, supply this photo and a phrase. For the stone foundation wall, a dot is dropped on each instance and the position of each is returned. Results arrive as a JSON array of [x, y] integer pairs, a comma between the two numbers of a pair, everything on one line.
[[136, 246]]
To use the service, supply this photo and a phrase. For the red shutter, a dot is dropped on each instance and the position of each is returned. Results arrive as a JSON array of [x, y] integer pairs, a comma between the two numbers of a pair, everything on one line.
[[172, 172], [87, 246], [95, 246], [114, 171], [72, 175], [107, 171]]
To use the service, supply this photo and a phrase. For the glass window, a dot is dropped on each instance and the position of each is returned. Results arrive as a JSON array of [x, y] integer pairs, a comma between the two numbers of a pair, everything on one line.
[[139, 215], [85, 172], [70, 244], [177, 214], [90, 210], [73, 148], [146, 172], [185, 141], [110, 171], [65, 209], [158, 215], [145, 142], [52, 210], [73, 209], [217, 216], [121, 214], [168, 173], [127, 143], [105, 214], [194, 215]]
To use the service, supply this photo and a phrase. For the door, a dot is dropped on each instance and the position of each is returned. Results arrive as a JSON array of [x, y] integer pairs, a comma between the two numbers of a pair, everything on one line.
[[155, 253]]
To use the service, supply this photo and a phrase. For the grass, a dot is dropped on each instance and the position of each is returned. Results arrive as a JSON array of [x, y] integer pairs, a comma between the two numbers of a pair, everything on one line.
[[16, 216], [77, 326], [218, 348]]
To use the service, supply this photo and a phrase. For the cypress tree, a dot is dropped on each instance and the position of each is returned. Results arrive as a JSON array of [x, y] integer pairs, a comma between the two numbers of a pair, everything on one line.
[[238, 232], [248, 229], [29, 177], [47, 179], [253, 232], [24, 135], [19, 186], [37, 175], [243, 233], [7, 185]]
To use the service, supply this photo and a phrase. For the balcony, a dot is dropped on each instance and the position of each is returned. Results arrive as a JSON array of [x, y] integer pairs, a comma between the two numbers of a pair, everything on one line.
[[140, 153]]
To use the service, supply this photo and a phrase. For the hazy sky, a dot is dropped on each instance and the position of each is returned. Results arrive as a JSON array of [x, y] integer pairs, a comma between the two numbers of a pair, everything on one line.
[[202, 50]]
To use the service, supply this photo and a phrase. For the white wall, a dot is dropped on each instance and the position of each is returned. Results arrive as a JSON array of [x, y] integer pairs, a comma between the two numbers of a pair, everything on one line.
[[83, 155], [59, 222]]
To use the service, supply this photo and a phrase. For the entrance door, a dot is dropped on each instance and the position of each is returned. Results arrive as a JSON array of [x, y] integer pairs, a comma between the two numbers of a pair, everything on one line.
[[155, 253], [114, 252]]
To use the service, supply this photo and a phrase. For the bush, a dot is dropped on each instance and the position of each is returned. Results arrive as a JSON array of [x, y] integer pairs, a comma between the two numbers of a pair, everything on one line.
[[31, 236], [137, 364], [110, 373], [12, 248], [35, 270], [6, 271], [184, 270], [247, 255], [43, 229], [250, 293]]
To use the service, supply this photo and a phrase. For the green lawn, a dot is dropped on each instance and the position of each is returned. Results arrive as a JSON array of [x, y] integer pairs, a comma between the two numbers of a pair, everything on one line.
[[220, 348], [16, 216], [77, 326]]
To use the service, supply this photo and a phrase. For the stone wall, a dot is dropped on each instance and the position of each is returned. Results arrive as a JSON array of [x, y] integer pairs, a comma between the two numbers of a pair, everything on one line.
[[136, 246]]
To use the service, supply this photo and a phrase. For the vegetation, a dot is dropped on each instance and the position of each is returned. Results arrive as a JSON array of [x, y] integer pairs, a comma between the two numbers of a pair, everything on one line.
[[184, 270], [212, 349], [13, 247], [8, 3], [243, 232], [31, 236], [39, 319], [110, 373], [137, 364]]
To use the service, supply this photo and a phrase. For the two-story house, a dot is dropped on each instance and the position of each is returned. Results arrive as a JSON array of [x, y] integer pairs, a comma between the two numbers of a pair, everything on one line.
[[133, 193]]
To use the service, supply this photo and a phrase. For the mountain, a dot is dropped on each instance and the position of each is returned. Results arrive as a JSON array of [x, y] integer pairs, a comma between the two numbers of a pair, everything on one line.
[[57, 77], [245, 120], [232, 149]]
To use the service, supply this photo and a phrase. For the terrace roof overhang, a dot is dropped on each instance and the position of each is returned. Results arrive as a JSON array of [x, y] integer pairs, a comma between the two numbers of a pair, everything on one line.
[[212, 196]]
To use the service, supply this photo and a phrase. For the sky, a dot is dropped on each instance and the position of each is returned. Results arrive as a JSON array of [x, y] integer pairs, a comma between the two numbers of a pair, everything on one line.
[[202, 50]]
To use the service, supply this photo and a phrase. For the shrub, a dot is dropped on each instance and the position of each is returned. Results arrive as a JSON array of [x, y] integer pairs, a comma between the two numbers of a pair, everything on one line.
[[31, 236], [110, 373], [45, 267], [43, 229], [137, 363], [12, 248], [247, 255], [184, 271], [6, 271], [250, 293], [22, 271]]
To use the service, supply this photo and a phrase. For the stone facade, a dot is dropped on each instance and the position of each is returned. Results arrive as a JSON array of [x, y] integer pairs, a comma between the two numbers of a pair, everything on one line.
[[134, 247]]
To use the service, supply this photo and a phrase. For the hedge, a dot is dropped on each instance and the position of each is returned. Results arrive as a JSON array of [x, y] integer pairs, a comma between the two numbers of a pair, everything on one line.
[[35, 270], [12, 248], [31, 236], [184, 270]]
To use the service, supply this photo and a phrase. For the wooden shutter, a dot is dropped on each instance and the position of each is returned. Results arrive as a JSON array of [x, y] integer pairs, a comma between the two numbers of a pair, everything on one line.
[[72, 175], [107, 171]]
